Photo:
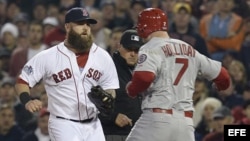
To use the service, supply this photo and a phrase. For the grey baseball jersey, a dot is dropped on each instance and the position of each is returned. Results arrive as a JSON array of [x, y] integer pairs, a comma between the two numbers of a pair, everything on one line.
[[175, 65], [167, 104]]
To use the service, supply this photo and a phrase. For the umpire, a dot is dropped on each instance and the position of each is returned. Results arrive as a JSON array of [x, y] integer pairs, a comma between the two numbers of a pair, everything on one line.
[[126, 109]]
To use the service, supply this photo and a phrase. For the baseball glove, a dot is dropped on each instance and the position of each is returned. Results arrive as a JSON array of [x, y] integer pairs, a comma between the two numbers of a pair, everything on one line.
[[103, 101]]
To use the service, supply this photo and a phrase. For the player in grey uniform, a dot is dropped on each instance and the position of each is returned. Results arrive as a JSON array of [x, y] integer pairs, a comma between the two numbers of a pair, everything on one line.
[[165, 75]]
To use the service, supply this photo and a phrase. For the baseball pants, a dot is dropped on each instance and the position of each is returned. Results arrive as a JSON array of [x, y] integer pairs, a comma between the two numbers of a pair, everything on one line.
[[162, 127], [115, 137], [66, 130]]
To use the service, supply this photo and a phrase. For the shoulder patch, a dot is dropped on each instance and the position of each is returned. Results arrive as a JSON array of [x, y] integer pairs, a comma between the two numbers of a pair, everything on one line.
[[142, 58], [28, 69]]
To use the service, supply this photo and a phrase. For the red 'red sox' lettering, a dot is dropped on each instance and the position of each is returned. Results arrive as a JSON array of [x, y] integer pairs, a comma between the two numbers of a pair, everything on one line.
[[95, 74], [62, 75]]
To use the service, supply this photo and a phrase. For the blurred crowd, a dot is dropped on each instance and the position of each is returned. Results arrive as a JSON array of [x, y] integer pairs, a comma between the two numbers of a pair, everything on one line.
[[219, 29]]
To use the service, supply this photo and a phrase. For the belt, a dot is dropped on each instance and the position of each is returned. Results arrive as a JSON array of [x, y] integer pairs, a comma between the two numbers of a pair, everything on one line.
[[170, 111], [80, 121]]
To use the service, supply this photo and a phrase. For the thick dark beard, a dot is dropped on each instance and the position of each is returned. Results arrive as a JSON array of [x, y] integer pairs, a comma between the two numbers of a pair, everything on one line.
[[78, 43]]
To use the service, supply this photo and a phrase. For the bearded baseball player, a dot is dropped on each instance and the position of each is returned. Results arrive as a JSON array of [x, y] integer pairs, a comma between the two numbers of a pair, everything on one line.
[[69, 71], [165, 75]]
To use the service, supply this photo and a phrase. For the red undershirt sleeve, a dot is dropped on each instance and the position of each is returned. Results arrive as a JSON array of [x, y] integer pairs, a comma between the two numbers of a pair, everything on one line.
[[21, 81], [222, 81], [140, 82]]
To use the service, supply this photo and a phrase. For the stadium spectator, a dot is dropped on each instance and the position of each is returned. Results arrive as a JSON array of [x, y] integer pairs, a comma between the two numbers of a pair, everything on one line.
[[238, 73], [157, 3], [167, 7], [199, 96], [122, 17], [114, 39], [53, 10], [39, 11], [221, 116], [41, 133], [22, 55], [8, 96], [58, 34], [246, 110], [222, 30], [8, 35], [90, 4], [245, 48], [206, 125], [108, 11], [183, 28], [7, 92], [136, 7], [22, 22], [5, 55], [9, 130], [3, 7], [228, 57], [69, 3], [246, 92], [241, 8], [12, 10], [207, 7], [49, 24], [100, 32]]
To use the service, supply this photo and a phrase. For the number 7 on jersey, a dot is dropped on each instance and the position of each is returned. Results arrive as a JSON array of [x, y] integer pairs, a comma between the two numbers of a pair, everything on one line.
[[183, 61]]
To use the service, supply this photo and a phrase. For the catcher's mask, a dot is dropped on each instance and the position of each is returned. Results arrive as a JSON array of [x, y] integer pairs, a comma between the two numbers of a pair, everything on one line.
[[151, 20]]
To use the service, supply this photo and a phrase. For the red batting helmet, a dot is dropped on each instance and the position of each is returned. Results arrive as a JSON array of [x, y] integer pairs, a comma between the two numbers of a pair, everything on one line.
[[151, 20]]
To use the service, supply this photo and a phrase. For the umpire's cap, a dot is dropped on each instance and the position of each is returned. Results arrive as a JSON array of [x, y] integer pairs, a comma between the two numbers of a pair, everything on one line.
[[131, 40], [78, 14]]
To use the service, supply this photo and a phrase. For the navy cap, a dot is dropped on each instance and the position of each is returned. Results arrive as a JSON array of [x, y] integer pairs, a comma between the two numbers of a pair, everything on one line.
[[222, 112], [78, 14], [131, 40]]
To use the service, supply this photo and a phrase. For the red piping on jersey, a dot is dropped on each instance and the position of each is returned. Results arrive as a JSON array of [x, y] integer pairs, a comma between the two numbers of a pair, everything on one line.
[[222, 81], [96, 48], [141, 80], [85, 95], [75, 83], [21, 81]]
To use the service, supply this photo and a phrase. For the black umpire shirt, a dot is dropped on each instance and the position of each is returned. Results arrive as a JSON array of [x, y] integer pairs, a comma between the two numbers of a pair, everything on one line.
[[123, 103]]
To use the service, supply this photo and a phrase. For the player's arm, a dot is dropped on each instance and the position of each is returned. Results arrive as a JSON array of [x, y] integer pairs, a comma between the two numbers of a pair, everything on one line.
[[141, 80], [23, 91], [222, 81], [213, 71]]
